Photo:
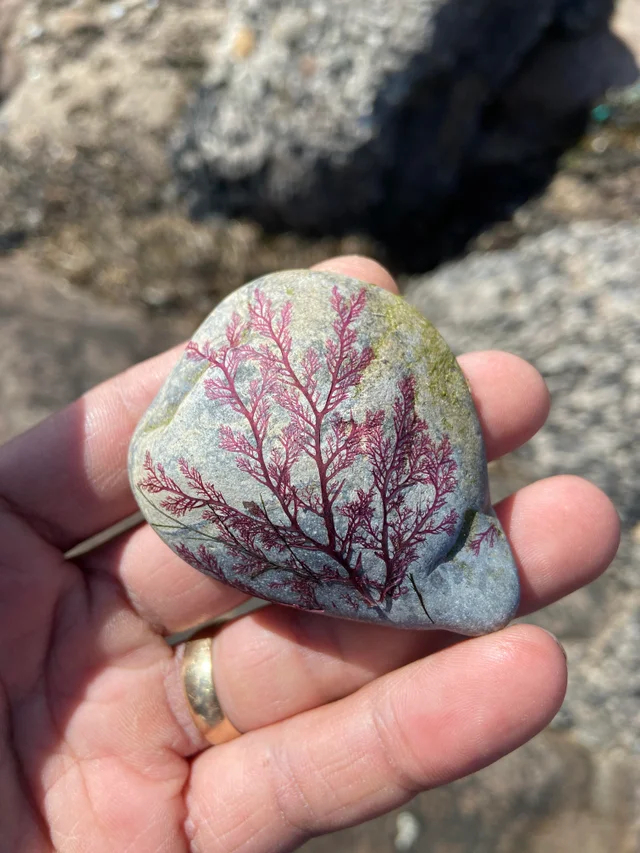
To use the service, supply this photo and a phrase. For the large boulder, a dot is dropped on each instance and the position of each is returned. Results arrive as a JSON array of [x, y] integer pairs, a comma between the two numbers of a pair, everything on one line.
[[94, 96], [332, 116]]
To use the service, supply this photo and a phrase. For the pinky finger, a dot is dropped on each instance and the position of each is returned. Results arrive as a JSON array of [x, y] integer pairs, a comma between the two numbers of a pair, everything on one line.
[[424, 725]]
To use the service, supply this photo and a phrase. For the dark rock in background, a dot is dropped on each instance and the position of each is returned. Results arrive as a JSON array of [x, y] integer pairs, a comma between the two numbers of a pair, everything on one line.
[[575, 16], [98, 89], [338, 116]]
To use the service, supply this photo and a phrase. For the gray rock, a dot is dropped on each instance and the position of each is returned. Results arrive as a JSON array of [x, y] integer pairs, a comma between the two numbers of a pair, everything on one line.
[[57, 343], [317, 446], [569, 302], [603, 705], [333, 115], [85, 180], [89, 191]]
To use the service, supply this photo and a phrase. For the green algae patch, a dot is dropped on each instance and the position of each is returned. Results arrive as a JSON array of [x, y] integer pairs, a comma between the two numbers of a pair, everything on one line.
[[402, 335]]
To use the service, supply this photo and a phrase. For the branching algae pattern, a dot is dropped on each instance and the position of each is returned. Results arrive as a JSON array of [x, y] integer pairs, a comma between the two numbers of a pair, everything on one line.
[[317, 446]]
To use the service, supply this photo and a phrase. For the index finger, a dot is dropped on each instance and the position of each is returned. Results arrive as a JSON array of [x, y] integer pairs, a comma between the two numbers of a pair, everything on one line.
[[68, 475]]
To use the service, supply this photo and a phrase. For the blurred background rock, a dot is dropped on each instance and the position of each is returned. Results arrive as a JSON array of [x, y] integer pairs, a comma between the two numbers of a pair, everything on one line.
[[156, 154]]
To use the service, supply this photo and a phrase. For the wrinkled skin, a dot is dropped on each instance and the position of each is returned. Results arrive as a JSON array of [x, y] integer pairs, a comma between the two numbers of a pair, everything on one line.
[[342, 721]]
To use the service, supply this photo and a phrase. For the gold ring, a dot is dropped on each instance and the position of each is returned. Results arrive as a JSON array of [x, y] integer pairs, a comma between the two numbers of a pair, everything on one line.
[[199, 688]]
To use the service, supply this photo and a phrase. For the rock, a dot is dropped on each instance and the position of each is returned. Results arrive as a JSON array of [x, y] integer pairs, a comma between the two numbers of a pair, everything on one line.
[[317, 446], [354, 115], [57, 343], [583, 15], [89, 191], [602, 707], [598, 178], [569, 302], [557, 83], [85, 180]]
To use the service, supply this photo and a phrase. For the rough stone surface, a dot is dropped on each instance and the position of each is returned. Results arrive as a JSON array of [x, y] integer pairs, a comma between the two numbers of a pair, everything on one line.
[[85, 178], [94, 93], [598, 179], [340, 115], [317, 445], [57, 343], [567, 301]]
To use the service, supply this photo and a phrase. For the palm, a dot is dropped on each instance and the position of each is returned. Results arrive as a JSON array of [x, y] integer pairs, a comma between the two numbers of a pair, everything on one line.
[[98, 752], [91, 731]]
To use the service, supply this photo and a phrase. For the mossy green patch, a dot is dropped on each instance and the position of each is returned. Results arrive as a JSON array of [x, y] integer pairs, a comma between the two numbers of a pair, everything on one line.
[[162, 412], [427, 355], [151, 425]]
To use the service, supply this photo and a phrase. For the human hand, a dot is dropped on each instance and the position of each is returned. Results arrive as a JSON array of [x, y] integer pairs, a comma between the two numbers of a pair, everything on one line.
[[341, 721]]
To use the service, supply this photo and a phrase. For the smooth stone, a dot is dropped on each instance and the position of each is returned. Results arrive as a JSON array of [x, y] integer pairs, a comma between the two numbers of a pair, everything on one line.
[[317, 446]]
